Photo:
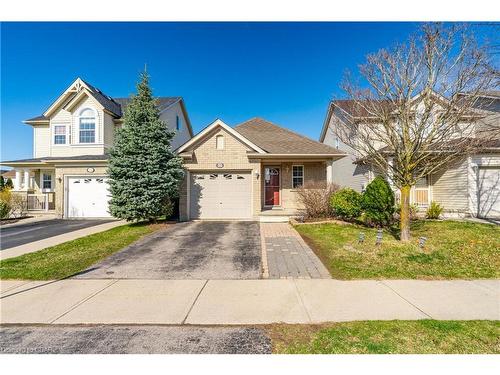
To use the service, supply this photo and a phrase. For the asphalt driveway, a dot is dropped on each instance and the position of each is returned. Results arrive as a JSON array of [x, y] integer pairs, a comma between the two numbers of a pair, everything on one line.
[[26, 233], [192, 250]]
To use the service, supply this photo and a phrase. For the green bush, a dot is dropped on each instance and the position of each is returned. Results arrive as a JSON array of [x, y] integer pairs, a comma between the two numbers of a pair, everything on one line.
[[378, 202], [434, 211], [4, 209], [346, 203]]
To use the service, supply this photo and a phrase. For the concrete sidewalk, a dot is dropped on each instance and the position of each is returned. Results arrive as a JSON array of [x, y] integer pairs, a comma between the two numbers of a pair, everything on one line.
[[226, 302], [57, 240]]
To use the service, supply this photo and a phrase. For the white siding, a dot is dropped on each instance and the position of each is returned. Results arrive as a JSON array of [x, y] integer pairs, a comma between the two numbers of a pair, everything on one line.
[[345, 172], [181, 136], [109, 130]]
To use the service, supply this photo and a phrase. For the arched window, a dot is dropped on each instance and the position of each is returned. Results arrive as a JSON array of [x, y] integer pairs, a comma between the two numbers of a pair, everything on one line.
[[86, 130], [219, 142]]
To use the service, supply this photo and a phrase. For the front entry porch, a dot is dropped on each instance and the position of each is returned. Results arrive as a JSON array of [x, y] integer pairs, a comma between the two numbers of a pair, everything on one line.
[[34, 190]]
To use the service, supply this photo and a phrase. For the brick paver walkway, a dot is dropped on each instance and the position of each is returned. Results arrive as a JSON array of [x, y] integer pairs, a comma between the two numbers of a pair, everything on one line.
[[287, 256]]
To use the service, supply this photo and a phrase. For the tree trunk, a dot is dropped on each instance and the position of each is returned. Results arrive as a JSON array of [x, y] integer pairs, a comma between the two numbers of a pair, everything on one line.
[[404, 224]]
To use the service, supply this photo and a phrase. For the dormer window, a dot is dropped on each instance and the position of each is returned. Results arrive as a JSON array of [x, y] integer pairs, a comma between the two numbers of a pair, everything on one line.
[[87, 126], [219, 142], [60, 134]]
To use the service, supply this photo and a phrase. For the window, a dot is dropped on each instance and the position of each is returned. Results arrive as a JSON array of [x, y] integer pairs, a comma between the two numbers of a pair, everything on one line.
[[177, 123], [87, 126], [60, 134], [337, 142], [297, 176], [219, 142], [46, 181]]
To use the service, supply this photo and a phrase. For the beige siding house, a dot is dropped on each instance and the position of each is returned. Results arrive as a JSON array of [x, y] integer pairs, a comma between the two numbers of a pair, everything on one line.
[[251, 171], [468, 187], [71, 139]]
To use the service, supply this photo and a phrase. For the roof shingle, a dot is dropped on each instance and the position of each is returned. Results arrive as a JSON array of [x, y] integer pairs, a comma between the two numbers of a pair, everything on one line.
[[277, 140]]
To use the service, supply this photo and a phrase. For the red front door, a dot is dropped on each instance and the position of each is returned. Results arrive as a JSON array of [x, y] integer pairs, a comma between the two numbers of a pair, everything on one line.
[[272, 186]]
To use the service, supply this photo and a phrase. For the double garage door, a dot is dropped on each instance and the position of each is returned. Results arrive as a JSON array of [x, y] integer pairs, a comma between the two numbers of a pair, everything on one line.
[[489, 192], [220, 195], [87, 197]]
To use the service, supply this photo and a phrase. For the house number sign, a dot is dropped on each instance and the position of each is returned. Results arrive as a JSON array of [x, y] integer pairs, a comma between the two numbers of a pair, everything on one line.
[[219, 165]]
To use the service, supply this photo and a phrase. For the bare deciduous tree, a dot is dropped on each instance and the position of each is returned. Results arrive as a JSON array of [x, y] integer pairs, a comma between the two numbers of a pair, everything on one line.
[[408, 115]]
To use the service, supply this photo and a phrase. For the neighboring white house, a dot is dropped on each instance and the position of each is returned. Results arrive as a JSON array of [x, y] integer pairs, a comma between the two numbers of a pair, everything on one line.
[[469, 187], [71, 140]]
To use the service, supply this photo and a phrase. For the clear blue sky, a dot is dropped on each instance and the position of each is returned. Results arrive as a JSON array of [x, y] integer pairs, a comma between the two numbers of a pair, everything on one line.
[[284, 72]]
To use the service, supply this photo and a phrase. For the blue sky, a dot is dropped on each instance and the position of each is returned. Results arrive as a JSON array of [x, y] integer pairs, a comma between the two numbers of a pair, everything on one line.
[[284, 72]]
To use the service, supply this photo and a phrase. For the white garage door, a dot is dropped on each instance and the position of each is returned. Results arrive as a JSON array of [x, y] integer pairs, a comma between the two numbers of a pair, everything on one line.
[[87, 197], [489, 192], [219, 195]]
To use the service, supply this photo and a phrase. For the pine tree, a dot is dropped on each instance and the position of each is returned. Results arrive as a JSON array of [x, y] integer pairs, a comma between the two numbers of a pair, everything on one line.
[[144, 172]]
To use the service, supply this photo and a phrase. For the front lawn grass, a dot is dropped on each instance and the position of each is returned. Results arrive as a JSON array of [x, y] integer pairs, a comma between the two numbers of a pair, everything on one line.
[[71, 257], [453, 250], [388, 337]]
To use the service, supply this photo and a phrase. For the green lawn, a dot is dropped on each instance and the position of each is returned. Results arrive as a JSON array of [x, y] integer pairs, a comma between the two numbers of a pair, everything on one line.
[[387, 337], [454, 250], [74, 256]]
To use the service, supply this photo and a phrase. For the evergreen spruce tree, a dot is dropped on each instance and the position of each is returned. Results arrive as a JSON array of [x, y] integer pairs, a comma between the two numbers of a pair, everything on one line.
[[144, 172]]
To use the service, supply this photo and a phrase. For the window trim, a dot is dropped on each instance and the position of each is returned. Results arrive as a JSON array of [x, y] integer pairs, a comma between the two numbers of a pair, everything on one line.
[[221, 137], [303, 175], [42, 180], [66, 134], [79, 118]]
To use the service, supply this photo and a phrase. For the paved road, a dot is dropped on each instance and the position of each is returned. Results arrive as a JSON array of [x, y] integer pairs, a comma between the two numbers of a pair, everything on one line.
[[133, 340], [193, 250], [23, 234]]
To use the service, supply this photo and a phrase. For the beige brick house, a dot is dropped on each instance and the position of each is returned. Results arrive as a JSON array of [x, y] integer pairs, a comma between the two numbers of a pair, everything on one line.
[[67, 174], [251, 171]]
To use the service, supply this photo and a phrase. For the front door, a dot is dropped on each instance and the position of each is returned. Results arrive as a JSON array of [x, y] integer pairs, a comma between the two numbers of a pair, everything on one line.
[[272, 186]]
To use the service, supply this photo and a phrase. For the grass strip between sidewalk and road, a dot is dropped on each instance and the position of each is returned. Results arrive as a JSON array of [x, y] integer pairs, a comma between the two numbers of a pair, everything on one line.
[[71, 257], [388, 337], [453, 250]]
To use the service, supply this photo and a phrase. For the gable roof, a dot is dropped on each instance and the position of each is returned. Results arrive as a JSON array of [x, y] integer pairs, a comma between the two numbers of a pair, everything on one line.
[[115, 106], [275, 139], [222, 124]]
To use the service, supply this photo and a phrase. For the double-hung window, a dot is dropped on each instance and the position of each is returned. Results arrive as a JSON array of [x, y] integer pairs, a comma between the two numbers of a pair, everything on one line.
[[60, 134], [87, 127], [297, 176], [47, 181]]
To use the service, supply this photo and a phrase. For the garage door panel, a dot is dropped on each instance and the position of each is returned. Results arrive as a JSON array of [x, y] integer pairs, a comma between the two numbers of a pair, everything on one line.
[[489, 192], [219, 195], [87, 197]]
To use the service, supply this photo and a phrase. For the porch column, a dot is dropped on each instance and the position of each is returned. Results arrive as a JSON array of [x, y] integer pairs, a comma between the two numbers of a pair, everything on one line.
[[329, 171], [17, 180], [26, 179]]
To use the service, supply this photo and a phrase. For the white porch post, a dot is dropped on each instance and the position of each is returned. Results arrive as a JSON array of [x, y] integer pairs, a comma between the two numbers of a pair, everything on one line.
[[329, 171], [17, 180], [26, 179]]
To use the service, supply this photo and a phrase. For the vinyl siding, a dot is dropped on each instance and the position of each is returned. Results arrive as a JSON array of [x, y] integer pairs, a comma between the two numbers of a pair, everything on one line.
[[108, 131], [450, 187], [345, 172], [41, 139], [169, 116]]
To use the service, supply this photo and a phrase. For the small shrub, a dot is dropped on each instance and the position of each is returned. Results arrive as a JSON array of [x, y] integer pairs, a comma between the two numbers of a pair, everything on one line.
[[378, 202], [434, 210], [4, 210], [315, 199], [18, 205], [9, 184], [346, 204]]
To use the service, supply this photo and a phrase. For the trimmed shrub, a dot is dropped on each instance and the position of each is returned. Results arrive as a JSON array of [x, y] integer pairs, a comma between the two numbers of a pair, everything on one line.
[[315, 199], [346, 204], [9, 184], [434, 210], [378, 202]]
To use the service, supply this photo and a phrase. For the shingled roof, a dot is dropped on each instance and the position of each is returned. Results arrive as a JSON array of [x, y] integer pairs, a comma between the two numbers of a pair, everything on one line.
[[277, 140]]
